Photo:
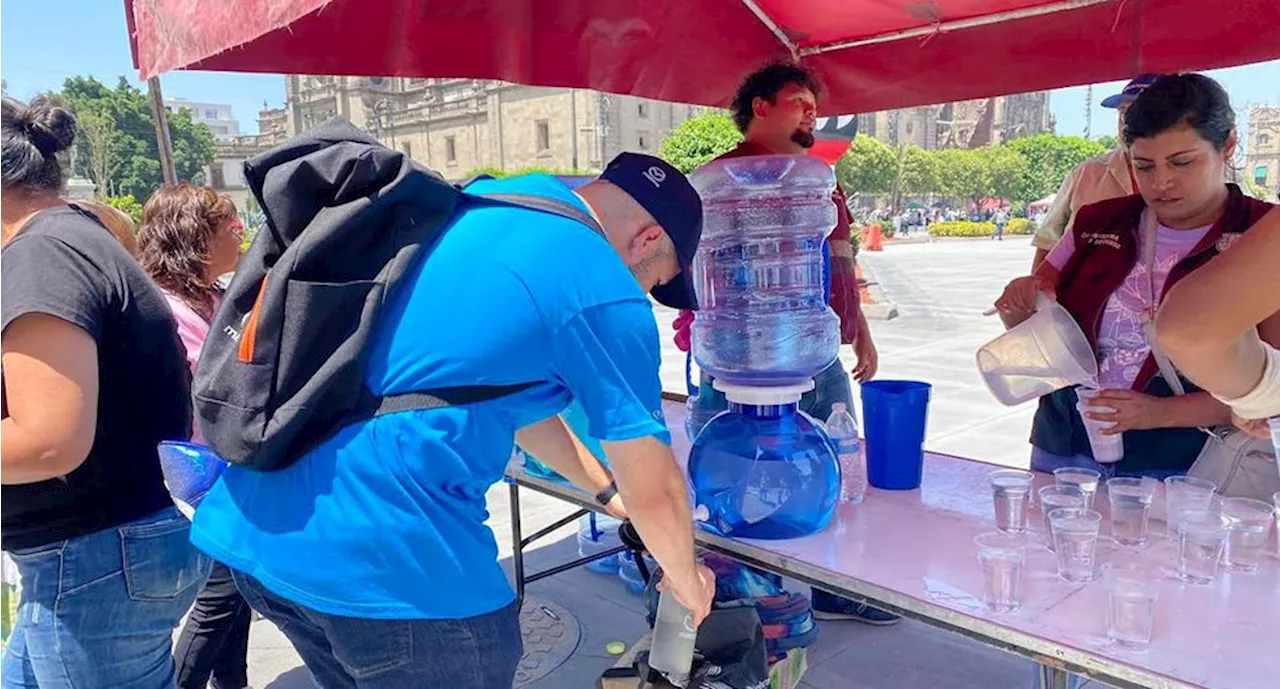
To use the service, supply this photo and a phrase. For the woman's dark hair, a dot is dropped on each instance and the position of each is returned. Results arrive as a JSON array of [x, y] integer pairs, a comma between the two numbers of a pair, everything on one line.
[[1174, 99], [179, 223], [766, 83], [33, 134]]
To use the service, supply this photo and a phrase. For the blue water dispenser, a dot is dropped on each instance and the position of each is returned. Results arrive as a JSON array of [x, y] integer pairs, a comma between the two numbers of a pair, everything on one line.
[[764, 469]]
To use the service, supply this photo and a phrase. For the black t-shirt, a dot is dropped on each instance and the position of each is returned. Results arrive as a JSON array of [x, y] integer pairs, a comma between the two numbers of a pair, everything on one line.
[[65, 264]]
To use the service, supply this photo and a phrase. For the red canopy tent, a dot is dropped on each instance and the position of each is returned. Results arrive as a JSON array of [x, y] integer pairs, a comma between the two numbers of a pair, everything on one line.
[[872, 54]]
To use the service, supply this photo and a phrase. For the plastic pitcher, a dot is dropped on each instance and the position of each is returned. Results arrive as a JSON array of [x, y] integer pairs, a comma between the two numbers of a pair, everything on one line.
[[895, 414], [759, 273], [1045, 353]]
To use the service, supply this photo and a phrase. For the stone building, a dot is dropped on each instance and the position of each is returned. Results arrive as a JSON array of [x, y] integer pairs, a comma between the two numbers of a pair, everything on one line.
[[962, 124], [1262, 150]]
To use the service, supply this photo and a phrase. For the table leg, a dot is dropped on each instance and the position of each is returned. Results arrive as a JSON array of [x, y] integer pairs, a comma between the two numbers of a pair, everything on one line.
[[1053, 678], [517, 544]]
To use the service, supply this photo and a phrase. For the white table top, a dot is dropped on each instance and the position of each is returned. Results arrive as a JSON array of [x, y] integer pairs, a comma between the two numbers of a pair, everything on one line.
[[913, 551]]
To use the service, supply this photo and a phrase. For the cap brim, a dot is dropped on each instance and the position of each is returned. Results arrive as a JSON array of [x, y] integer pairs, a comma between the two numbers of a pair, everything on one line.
[[1116, 100], [678, 294]]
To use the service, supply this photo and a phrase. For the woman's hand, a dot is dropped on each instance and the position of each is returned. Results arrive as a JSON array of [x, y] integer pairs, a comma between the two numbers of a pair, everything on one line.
[[1020, 295], [1257, 428], [1134, 411]]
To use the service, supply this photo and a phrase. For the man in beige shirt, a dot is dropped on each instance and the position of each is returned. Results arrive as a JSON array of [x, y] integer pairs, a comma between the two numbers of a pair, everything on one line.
[[1103, 177]]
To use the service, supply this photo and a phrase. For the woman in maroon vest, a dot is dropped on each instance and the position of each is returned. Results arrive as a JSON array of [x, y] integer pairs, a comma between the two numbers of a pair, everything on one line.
[[1112, 270]]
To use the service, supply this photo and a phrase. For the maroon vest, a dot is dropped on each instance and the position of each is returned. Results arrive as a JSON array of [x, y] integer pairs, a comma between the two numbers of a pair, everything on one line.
[[1107, 246]]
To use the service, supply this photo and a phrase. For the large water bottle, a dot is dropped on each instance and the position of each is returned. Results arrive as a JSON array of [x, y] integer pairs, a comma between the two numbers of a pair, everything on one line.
[[596, 534], [763, 317], [764, 469], [674, 638], [843, 431]]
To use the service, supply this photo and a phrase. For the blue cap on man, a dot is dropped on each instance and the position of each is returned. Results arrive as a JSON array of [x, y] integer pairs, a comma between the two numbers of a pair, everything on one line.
[[666, 194], [1130, 91]]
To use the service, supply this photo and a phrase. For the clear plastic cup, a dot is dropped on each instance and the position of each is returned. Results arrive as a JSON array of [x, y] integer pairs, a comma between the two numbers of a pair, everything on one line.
[[1075, 541], [1202, 535], [1055, 497], [1085, 394], [1275, 498], [1132, 591], [1107, 449], [1002, 556], [1010, 493], [1182, 494], [1130, 500], [1084, 479], [1248, 525]]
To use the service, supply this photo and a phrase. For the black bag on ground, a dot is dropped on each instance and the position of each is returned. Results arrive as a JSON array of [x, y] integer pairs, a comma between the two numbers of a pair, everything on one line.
[[283, 367]]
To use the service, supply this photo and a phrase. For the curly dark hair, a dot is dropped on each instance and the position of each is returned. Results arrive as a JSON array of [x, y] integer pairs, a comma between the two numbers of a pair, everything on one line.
[[766, 83], [179, 223], [1192, 99]]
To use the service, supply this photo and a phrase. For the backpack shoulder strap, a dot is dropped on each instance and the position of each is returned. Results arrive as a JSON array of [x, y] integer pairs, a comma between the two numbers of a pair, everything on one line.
[[545, 204]]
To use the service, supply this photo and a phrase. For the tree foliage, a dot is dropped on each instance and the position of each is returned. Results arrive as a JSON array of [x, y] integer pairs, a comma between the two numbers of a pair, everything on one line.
[[869, 167], [1049, 158], [116, 146], [128, 204], [699, 140]]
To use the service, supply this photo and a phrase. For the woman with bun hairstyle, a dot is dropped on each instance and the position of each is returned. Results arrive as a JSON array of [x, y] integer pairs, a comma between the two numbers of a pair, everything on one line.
[[93, 378]]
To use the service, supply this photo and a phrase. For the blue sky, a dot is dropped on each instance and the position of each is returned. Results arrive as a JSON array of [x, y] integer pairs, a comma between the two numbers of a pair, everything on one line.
[[44, 41]]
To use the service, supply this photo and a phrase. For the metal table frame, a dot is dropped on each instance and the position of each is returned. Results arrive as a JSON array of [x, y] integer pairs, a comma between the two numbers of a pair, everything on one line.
[[1056, 664]]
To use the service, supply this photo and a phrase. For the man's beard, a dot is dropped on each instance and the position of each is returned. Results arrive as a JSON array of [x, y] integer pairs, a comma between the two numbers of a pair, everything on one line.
[[802, 138]]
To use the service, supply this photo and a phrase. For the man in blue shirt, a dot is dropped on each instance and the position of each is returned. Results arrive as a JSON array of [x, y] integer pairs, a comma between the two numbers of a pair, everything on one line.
[[371, 553]]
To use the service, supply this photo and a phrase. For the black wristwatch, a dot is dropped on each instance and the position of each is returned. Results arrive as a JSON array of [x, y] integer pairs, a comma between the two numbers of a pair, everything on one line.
[[604, 496]]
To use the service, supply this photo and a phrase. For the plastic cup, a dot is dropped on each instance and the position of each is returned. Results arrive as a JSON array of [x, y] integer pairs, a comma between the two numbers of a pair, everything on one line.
[[1010, 493], [1275, 498], [1056, 497], [1107, 449], [1182, 494], [1202, 535], [896, 413], [1132, 591], [1274, 424], [1248, 525], [1002, 556], [1075, 541], [1084, 479], [1130, 500], [1085, 394]]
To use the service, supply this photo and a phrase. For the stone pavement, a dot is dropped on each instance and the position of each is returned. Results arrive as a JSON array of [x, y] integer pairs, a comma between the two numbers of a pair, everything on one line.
[[941, 290]]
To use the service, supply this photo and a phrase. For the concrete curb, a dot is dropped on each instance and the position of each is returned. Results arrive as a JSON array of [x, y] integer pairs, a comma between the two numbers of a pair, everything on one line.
[[880, 308]]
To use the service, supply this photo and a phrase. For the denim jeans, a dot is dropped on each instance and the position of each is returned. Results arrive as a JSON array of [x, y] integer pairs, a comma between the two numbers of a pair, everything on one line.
[[355, 653], [1046, 462], [99, 610]]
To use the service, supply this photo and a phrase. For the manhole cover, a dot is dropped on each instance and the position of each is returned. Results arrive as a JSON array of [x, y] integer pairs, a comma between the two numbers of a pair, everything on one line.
[[550, 634]]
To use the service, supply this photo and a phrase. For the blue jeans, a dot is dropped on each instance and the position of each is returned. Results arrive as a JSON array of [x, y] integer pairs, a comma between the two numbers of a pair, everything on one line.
[[1046, 462], [355, 653], [99, 610]]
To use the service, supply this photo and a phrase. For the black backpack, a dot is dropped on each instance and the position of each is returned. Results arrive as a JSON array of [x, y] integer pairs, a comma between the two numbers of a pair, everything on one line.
[[283, 367]]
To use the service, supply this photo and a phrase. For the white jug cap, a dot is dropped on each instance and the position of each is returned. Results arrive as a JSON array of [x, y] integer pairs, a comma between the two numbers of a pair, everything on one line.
[[763, 396]]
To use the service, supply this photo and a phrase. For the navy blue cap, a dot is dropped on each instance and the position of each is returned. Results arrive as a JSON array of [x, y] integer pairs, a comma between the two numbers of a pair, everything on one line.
[[1130, 90], [666, 193]]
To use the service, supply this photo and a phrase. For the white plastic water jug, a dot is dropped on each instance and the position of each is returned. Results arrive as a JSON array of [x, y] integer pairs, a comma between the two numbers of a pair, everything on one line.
[[1043, 354]]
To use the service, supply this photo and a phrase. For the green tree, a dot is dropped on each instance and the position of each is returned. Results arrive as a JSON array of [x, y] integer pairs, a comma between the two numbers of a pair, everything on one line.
[[128, 204], [1109, 141], [131, 150], [699, 140], [918, 172], [868, 167], [1049, 158]]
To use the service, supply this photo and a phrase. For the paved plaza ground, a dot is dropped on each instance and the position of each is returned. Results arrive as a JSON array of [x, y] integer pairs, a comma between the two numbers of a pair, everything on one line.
[[941, 290]]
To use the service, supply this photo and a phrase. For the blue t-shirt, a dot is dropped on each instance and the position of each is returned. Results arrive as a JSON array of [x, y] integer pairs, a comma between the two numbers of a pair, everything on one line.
[[386, 519]]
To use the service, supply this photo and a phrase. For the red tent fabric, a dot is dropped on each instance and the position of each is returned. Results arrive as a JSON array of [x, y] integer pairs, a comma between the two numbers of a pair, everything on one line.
[[872, 54]]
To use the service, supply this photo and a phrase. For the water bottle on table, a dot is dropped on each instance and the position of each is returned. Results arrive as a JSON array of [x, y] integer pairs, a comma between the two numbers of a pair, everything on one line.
[[843, 431]]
